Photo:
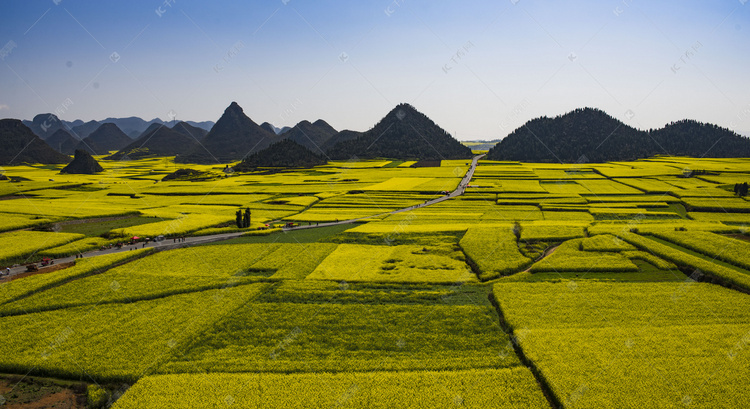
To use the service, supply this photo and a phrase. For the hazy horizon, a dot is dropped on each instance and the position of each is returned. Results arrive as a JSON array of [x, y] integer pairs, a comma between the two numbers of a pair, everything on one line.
[[479, 71]]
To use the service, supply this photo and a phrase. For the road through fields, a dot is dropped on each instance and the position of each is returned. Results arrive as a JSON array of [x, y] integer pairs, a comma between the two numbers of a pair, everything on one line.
[[169, 244]]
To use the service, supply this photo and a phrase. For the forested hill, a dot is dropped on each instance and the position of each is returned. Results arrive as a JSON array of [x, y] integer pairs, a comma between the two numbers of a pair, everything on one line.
[[18, 144], [693, 138], [107, 137], [591, 135], [311, 135], [285, 154], [232, 138], [404, 133]]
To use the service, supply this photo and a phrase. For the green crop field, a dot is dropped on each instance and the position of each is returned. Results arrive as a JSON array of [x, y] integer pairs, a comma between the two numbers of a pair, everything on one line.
[[513, 387], [494, 251], [404, 263], [578, 255], [637, 344], [543, 285]]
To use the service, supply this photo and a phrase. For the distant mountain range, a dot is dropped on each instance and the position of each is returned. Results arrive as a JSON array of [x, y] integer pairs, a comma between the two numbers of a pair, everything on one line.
[[134, 126], [583, 135], [274, 129], [590, 135], [44, 125], [83, 130], [481, 145], [103, 140], [63, 142], [160, 140], [402, 133]]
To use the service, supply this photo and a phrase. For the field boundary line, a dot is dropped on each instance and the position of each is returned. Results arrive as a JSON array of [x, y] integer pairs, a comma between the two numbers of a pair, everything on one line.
[[151, 297], [544, 385]]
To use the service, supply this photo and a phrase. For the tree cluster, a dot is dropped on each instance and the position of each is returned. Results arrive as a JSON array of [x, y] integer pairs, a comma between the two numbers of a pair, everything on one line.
[[243, 218]]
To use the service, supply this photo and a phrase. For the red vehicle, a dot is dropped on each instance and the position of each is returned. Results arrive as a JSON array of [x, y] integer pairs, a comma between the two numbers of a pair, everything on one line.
[[47, 261]]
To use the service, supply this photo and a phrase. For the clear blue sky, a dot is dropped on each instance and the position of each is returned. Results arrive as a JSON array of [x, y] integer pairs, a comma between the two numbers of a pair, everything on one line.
[[478, 68]]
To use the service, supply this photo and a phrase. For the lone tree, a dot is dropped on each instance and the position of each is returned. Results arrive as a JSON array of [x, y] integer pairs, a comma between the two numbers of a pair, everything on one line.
[[246, 218], [238, 218], [517, 230], [740, 189]]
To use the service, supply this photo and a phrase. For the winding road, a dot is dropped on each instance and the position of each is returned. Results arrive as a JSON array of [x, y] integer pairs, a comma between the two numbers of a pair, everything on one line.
[[170, 244], [457, 192]]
